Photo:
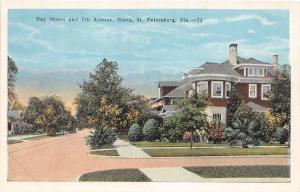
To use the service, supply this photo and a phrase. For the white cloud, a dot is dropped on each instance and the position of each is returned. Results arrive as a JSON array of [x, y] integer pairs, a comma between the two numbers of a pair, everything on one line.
[[30, 37], [244, 17], [251, 31], [32, 30], [217, 51]]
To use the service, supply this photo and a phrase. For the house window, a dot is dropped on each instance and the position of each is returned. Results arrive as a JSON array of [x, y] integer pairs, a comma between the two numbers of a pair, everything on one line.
[[255, 71], [250, 72], [265, 90], [252, 90], [202, 87], [227, 89], [217, 116], [217, 89], [261, 72]]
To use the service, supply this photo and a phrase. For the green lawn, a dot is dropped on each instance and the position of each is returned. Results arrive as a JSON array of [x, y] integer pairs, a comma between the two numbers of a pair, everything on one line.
[[105, 153], [166, 144], [123, 175], [36, 137], [241, 171], [13, 141], [182, 152]]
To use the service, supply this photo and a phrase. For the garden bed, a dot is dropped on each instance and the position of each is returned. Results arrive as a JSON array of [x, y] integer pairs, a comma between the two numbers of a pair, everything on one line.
[[182, 152], [167, 144], [120, 175], [241, 171], [105, 152]]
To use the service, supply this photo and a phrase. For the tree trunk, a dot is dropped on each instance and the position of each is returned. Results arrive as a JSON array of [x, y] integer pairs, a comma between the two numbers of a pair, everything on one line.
[[191, 140]]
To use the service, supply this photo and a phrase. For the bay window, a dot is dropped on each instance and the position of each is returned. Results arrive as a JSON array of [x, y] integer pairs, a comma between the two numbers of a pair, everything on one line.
[[217, 89], [202, 87]]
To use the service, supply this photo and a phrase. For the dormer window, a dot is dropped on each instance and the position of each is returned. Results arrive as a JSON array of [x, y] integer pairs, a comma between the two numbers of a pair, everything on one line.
[[256, 71]]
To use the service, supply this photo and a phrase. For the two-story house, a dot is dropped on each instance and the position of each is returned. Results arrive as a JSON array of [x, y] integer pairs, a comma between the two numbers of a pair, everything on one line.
[[250, 77]]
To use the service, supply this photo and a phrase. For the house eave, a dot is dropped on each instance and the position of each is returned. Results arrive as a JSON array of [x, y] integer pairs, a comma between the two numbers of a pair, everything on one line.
[[251, 65]]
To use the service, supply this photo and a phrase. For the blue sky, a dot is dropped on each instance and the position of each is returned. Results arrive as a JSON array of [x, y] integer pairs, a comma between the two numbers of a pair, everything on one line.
[[54, 57]]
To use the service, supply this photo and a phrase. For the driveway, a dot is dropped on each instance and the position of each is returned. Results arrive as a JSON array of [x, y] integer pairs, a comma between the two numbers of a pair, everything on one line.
[[65, 158]]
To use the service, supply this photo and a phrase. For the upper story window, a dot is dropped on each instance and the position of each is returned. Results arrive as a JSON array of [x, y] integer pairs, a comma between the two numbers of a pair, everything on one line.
[[256, 71], [265, 91], [227, 89], [252, 90], [202, 87], [217, 89]]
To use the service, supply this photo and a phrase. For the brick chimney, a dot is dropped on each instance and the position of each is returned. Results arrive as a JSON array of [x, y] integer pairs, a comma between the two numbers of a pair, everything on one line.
[[233, 53], [274, 62]]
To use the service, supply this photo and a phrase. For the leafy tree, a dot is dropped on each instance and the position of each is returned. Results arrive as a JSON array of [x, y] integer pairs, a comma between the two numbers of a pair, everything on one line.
[[11, 81], [172, 129], [34, 111], [48, 113], [191, 114], [280, 97], [103, 101], [235, 100]]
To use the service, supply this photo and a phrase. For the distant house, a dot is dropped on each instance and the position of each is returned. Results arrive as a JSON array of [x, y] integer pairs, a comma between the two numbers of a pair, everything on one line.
[[250, 77], [14, 117], [15, 120]]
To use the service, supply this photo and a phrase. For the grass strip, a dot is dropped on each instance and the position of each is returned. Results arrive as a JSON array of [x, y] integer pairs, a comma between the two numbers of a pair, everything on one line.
[[241, 171], [182, 152], [105, 153], [36, 137], [119, 175], [9, 142]]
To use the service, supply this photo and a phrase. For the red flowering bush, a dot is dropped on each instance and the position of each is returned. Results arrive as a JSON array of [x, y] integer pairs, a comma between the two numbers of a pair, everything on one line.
[[215, 132], [186, 136]]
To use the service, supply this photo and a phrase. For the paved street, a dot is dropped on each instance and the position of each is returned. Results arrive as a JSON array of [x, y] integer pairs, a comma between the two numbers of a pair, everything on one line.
[[65, 158]]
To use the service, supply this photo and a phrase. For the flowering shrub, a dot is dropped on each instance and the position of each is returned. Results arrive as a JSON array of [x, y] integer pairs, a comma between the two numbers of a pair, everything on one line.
[[276, 120], [243, 112], [186, 137], [215, 132]]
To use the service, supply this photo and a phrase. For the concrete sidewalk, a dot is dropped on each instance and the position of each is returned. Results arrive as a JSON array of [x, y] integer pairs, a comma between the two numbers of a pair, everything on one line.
[[171, 174], [179, 174], [125, 149]]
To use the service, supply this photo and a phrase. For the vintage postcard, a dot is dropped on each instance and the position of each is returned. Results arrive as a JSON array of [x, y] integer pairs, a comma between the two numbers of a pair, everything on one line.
[[149, 96]]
